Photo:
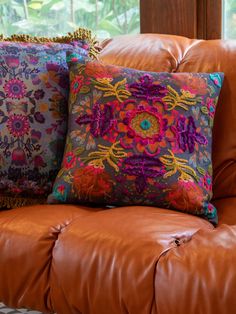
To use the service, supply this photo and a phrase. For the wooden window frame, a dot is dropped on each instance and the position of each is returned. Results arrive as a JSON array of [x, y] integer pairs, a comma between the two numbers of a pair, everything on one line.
[[191, 18]]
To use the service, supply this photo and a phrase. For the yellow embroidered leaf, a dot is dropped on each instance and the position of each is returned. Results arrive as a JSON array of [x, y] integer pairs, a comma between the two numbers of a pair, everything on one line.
[[111, 155]]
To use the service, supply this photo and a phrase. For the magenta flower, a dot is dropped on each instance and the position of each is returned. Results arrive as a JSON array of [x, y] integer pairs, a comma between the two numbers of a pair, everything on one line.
[[18, 157], [33, 59], [12, 61], [211, 107], [142, 167], [39, 162], [146, 89], [15, 88], [18, 125], [100, 121], [187, 135], [69, 160]]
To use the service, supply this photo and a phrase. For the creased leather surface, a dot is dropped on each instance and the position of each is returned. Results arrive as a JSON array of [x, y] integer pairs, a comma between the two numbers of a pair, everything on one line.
[[77, 260], [199, 277], [114, 254], [27, 239]]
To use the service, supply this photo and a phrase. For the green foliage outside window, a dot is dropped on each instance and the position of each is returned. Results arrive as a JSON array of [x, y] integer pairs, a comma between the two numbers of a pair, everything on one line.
[[229, 28], [106, 18]]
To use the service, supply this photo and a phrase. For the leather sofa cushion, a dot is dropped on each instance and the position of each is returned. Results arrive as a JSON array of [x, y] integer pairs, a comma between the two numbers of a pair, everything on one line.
[[71, 255]]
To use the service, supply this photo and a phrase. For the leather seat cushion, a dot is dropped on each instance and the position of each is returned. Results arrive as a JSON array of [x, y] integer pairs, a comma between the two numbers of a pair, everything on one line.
[[44, 249]]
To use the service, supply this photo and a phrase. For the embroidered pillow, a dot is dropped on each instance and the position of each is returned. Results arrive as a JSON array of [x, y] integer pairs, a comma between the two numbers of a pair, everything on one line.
[[34, 83], [139, 138]]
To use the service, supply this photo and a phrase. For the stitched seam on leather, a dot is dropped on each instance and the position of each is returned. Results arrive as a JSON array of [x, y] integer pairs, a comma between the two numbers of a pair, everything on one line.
[[153, 308], [174, 245], [56, 235]]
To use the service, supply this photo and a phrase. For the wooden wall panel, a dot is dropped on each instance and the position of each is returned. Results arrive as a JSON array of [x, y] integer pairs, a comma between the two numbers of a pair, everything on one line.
[[178, 17], [214, 19], [190, 18]]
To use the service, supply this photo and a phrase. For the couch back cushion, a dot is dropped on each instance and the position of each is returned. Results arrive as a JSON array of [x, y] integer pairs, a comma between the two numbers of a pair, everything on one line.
[[153, 52]]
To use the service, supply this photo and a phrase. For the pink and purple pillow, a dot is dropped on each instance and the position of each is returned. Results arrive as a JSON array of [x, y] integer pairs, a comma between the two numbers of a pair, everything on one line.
[[139, 138], [34, 88]]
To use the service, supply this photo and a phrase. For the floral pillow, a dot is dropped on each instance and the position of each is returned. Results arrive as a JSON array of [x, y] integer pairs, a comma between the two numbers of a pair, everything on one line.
[[139, 138], [34, 83]]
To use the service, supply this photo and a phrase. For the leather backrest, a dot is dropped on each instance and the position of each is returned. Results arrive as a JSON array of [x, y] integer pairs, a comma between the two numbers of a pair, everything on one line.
[[154, 52]]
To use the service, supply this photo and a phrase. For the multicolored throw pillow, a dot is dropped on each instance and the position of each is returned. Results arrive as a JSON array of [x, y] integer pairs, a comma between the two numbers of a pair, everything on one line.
[[139, 138], [34, 88]]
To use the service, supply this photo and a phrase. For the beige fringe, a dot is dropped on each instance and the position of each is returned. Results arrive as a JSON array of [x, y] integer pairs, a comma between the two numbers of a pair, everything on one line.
[[15, 202], [79, 34]]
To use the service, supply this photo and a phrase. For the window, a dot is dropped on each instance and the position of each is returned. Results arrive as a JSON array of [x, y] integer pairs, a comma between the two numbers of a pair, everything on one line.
[[229, 19], [106, 18]]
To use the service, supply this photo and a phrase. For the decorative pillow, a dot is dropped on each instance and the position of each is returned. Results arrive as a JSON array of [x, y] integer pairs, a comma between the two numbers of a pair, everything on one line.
[[34, 84], [139, 138]]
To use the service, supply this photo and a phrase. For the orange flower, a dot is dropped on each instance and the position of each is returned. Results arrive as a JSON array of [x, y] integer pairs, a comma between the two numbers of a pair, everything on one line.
[[186, 196], [92, 184], [98, 70], [194, 84]]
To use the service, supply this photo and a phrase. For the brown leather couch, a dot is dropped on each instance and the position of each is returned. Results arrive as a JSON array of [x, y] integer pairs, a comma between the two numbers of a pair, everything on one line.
[[137, 260]]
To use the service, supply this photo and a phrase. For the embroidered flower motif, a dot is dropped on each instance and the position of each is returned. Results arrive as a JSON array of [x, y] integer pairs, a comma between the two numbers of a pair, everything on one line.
[[211, 107], [209, 210], [15, 88], [143, 127], [39, 162], [191, 83], [12, 61], [77, 83], [69, 160], [18, 125], [216, 78], [60, 193], [146, 88], [99, 71], [187, 135], [75, 57], [206, 182], [100, 121], [92, 184], [186, 196], [142, 167], [18, 157], [32, 59]]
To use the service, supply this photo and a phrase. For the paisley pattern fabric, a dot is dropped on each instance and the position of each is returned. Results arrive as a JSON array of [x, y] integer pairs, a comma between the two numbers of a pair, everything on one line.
[[139, 138], [34, 82]]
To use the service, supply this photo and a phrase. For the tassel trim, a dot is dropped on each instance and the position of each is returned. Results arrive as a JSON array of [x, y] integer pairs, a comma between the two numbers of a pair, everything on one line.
[[15, 202], [79, 34]]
